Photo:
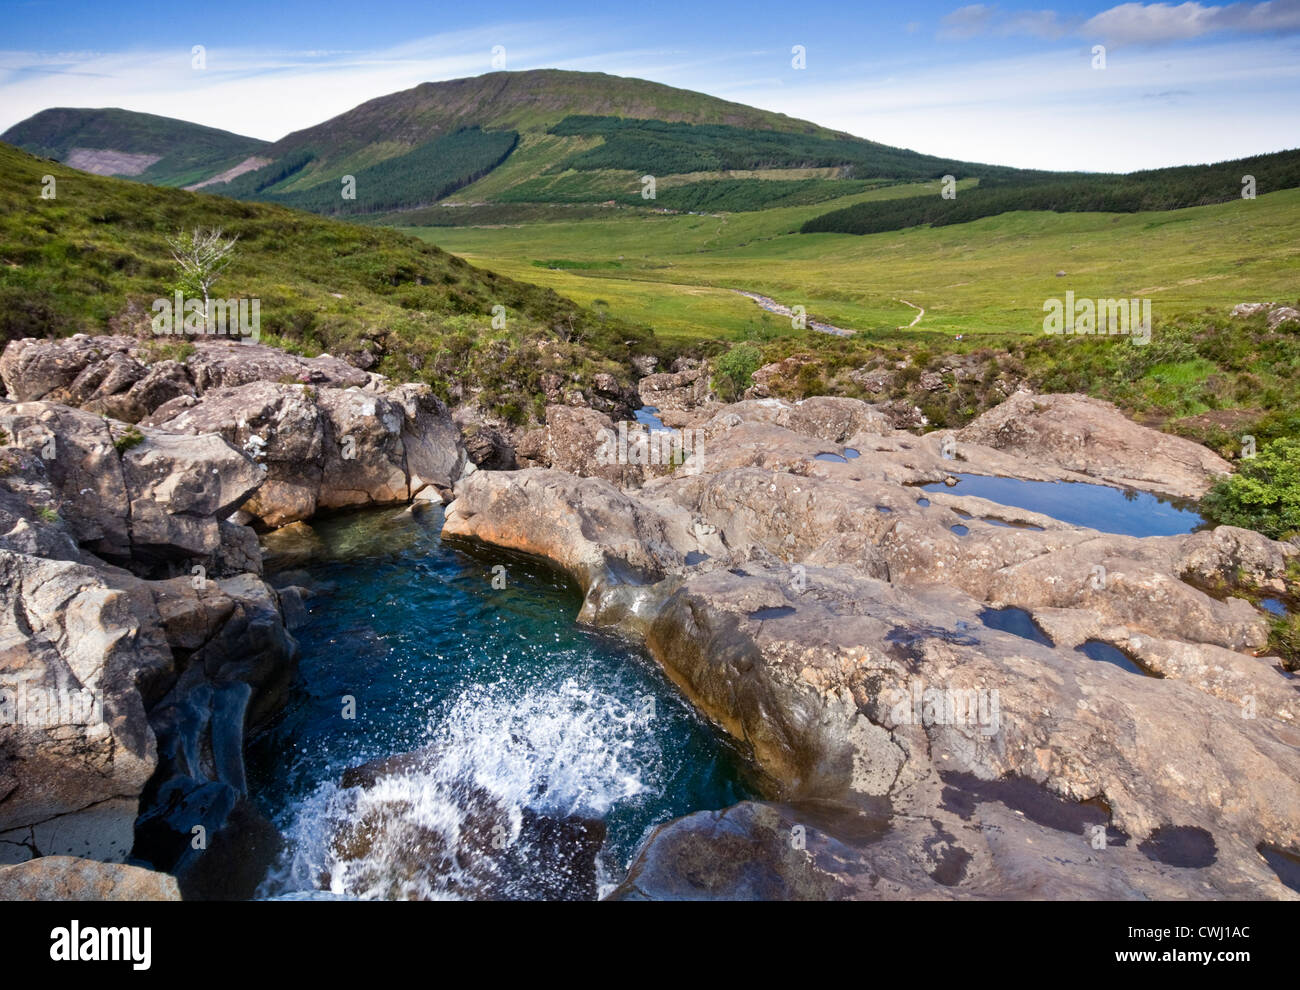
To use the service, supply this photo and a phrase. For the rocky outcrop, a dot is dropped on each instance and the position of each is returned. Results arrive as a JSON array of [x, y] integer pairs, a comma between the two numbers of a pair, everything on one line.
[[67, 878], [123, 375], [1277, 315], [1088, 436], [489, 443], [126, 691], [326, 435], [683, 390], [590, 444], [328, 448], [837, 626], [76, 748], [141, 497], [751, 851]]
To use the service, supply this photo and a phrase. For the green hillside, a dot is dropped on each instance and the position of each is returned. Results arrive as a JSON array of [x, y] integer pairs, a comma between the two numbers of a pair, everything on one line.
[[422, 176], [186, 153], [521, 106], [527, 147], [1157, 189], [95, 257]]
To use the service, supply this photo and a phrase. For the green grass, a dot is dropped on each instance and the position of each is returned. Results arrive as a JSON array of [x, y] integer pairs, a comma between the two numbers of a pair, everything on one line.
[[985, 278], [93, 259], [1204, 375]]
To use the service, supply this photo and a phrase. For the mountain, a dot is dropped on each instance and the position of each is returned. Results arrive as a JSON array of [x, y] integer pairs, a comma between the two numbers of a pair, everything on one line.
[[509, 147], [553, 136], [545, 136], [158, 150]]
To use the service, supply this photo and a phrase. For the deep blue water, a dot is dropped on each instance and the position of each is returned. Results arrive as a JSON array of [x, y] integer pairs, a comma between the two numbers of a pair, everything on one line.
[[1016, 621], [517, 700], [1096, 649], [1109, 510]]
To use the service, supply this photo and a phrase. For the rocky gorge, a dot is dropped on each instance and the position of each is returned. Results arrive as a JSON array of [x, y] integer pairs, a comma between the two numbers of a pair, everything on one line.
[[905, 669]]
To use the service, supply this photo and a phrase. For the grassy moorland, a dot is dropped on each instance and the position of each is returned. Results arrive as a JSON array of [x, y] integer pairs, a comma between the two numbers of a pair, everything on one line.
[[988, 277], [93, 258], [1203, 375]]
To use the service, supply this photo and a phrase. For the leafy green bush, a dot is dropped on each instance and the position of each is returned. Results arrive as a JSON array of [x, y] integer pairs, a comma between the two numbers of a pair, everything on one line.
[[732, 371], [129, 438], [1264, 494]]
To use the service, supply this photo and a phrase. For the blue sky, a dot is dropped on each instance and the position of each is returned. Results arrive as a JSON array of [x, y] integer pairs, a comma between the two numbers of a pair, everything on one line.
[[1012, 83]]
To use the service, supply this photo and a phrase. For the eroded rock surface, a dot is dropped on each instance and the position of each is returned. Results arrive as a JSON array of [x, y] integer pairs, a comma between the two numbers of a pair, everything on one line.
[[834, 622], [66, 878], [317, 433]]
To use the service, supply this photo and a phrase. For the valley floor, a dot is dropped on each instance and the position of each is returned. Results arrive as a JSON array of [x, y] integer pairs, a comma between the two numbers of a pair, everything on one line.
[[676, 273]]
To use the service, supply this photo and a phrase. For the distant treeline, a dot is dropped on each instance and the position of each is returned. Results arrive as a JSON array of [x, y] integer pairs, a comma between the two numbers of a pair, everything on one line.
[[742, 195], [1157, 189], [657, 147], [423, 175], [709, 195]]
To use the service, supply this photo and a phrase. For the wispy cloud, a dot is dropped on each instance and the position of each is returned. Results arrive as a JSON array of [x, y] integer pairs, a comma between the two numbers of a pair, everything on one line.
[[265, 92], [1128, 23], [1049, 109], [978, 19], [1154, 23], [1044, 107]]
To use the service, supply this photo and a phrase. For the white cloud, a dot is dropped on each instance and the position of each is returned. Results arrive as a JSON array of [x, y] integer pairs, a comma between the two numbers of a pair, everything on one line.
[[977, 19], [1162, 22], [1138, 23], [967, 22], [259, 92], [1051, 110], [1048, 109]]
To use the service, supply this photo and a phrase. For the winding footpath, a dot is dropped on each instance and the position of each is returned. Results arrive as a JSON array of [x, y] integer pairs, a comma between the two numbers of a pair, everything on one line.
[[772, 306], [919, 313]]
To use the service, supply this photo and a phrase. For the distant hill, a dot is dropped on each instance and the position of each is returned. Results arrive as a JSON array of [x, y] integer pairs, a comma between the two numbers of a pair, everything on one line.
[[553, 136], [509, 147], [158, 150], [1155, 190], [544, 136]]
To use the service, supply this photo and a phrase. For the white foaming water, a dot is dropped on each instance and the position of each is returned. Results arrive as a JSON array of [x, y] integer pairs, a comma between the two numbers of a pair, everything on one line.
[[435, 829]]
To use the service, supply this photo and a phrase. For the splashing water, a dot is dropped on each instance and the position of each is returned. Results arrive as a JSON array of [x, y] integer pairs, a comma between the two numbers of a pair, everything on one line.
[[528, 758]]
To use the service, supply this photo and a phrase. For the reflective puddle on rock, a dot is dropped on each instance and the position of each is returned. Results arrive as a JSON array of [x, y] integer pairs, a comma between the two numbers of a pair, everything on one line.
[[1096, 649], [1016, 621], [1099, 507]]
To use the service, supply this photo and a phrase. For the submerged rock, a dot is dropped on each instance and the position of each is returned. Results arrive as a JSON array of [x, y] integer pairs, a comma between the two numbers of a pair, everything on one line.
[[412, 834]]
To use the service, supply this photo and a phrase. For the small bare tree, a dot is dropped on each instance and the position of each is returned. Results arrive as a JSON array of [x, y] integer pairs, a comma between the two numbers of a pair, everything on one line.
[[202, 256]]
